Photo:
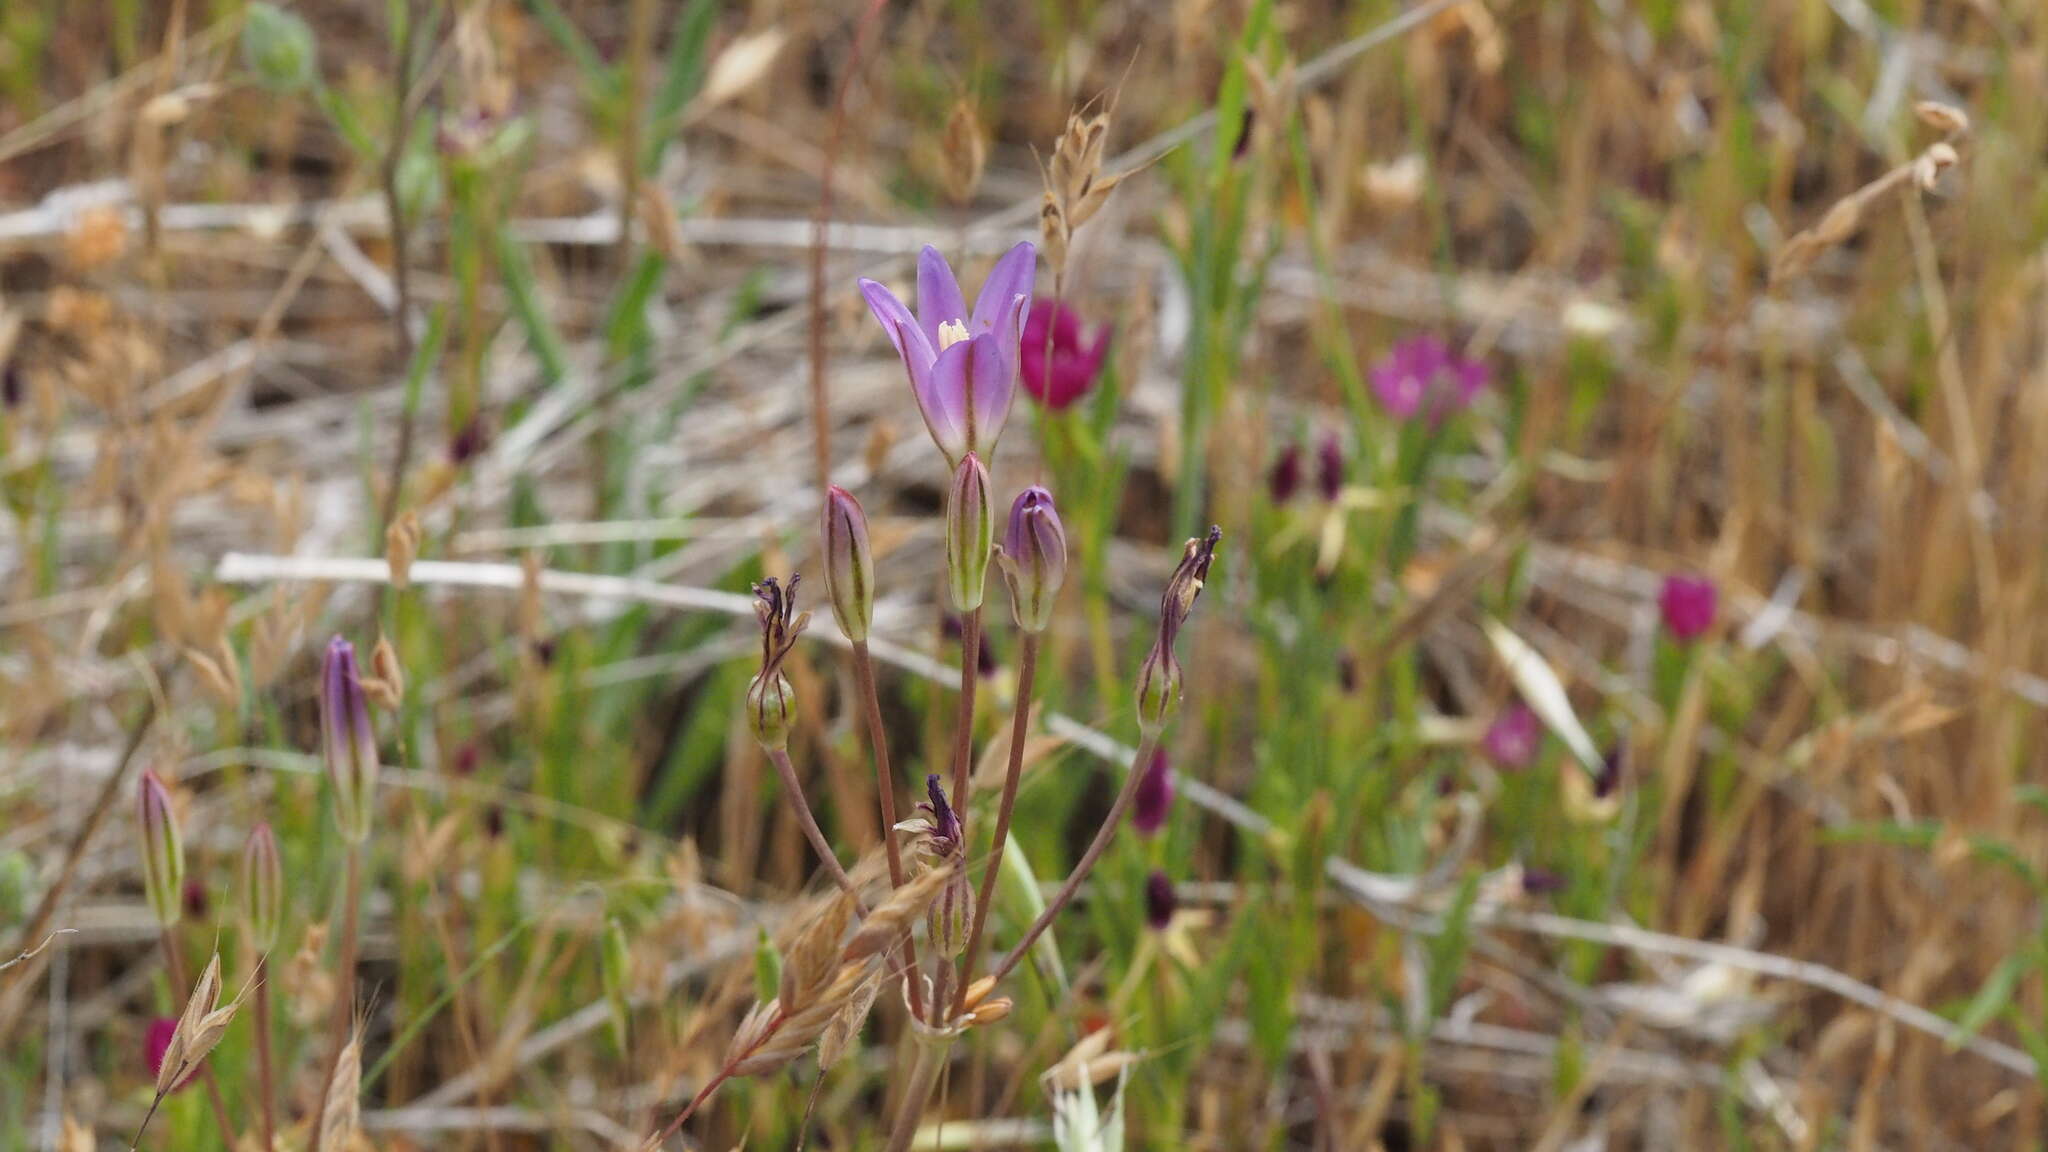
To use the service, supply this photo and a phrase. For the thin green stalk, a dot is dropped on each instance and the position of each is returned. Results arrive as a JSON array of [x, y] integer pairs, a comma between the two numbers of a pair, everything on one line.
[[345, 987], [963, 730], [885, 788], [822, 846], [917, 1091], [264, 1082], [1146, 746], [1020, 721]]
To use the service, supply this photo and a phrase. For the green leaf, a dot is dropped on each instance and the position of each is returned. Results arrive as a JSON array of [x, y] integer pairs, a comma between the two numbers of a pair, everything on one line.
[[278, 48], [1991, 999]]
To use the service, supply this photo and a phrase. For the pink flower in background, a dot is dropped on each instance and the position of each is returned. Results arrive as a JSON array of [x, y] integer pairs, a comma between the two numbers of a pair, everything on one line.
[[1153, 801], [1511, 739], [157, 1041], [1285, 478], [1423, 371], [1688, 604], [1075, 363], [1330, 467]]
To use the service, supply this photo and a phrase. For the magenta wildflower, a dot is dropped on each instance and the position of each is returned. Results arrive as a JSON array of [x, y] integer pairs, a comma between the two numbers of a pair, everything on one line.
[[1423, 370], [1160, 901], [962, 367], [156, 1041], [1285, 478], [1075, 362], [1153, 801], [1688, 604], [1330, 467], [1511, 739]]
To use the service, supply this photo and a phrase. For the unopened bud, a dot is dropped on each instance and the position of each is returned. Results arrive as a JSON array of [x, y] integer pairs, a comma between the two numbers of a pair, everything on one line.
[[1158, 690], [771, 710], [1034, 558], [849, 564], [970, 533], [262, 888], [951, 914], [348, 743], [163, 851]]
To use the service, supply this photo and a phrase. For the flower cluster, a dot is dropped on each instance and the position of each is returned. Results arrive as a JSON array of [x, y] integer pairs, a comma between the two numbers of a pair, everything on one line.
[[1423, 374]]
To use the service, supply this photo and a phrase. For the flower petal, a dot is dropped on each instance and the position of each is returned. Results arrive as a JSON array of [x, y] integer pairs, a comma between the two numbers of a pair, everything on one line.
[[990, 381], [1010, 278], [901, 326], [942, 397], [938, 294]]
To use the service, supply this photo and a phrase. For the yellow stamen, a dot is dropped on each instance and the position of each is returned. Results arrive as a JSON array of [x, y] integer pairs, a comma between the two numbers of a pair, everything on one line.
[[951, 332]]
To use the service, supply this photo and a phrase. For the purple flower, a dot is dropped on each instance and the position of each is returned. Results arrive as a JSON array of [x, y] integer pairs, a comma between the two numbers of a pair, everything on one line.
[[1540, 881], [1511, 739], [946, 832], [347, 740], [1153, 801], [1424, 369], [1688, 604], [962, 367], [1330, 467], [1074, 364], [1033, 558], [1285, 478], [1160, 901]]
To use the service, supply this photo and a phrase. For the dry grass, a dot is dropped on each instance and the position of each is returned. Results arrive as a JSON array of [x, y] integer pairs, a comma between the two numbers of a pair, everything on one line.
[[1763, 290]]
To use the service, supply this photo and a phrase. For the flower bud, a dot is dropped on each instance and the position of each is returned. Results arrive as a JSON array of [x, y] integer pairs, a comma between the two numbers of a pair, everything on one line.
[[771, 710], [952, 914], [1034, 558], [1160, 901], [262, 888], [163, 851], [849, 564], [970, 533], [1158, 690], [278, 48], [1154, 798], [347, 741], [771, 702]]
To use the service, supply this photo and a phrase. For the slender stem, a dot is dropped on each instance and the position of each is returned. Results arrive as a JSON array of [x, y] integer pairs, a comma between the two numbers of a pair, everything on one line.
[[1110, 823], [821, 408], [963, 729], [885, 788], [181, 984], [917, 1091], [345, 990], [1020, 721], [263, 1066], [705, 1092], [819, 844], [401, 276]]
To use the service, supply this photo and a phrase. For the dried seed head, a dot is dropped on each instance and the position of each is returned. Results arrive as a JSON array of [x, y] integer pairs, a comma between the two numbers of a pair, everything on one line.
[[1943, 117], [339, 1120], [771, 702], [1159, 681], [849, 564], [163, 851], [262, 888], [348, 743], [1034, 558], [970, 533], [387, 684], [965, 147], [402, 547]]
